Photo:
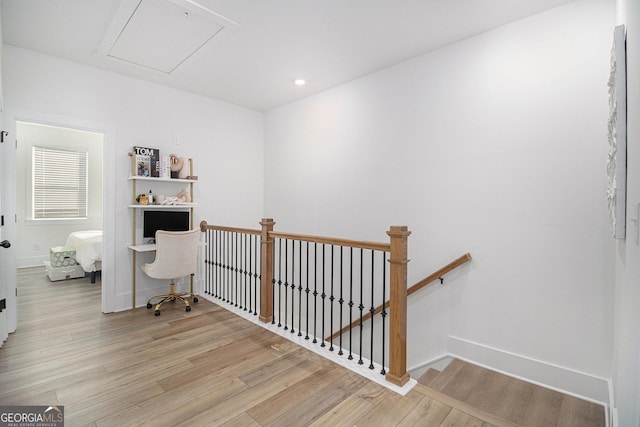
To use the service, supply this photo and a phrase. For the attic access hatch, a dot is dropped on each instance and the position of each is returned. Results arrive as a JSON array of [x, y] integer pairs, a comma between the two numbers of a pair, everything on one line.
[[162, 35]]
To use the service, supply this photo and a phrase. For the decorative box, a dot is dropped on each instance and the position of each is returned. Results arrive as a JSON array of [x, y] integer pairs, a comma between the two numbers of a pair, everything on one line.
[[62, 256], [63, 273]]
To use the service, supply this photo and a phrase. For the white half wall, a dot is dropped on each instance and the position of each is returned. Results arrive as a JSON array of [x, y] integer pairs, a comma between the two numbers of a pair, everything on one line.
[[226, 142], [496, 146]]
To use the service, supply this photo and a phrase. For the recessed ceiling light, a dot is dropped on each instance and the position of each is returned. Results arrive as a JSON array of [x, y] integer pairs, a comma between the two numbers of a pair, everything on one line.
[[299, 82]]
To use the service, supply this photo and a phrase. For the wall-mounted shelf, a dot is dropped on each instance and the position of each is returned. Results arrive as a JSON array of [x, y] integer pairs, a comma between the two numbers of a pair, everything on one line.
[[150, 178], [164, 207], [140, 248]]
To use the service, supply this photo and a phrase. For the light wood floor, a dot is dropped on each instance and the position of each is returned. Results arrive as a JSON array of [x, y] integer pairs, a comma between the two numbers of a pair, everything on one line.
[[511, 399], [206, 367]]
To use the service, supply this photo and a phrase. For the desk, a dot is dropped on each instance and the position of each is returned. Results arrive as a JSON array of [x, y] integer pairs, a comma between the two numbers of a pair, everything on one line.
[[148, 247]]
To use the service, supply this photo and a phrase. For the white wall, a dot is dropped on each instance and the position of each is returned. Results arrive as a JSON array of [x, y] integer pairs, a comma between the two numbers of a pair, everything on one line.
[[226, 142], [495, 145], [36, 237], [626, 360]]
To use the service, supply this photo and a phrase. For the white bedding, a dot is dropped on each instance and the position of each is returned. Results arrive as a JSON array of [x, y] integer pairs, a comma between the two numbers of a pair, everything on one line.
[[88, 246]]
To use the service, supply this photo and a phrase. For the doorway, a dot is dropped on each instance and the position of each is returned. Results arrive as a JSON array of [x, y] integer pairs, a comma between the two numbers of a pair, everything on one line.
[[59, 186]]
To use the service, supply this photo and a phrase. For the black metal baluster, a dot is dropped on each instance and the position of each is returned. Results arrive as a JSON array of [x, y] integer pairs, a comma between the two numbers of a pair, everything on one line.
[[212, 254], [341, 300], [229, 287], [207, 279], [331, 298], [217, 270], [225, 290], [206, 263], [293, 285], [323, 296], [361, 306], [214, 275], [350, 305], [279, 281], [237, 278], [228, 282], [247, 273], [240, 271], [250, 272], [299, 288], [384, 311], [216, 258], [315, 292], [256, 276], [230, 269], [306, 337], [273, 285], [286, 283], [234, 269], [225, 271], [220, 261], [372, 309], [244, 272]]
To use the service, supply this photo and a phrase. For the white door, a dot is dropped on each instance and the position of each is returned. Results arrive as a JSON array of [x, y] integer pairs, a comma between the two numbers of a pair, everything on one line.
[[8, 315], [3, 292]]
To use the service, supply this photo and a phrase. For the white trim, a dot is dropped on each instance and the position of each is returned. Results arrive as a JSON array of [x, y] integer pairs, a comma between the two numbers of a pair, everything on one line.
[[565, 380], [611, 412], [32, 261], [363, 370], [438, 363]]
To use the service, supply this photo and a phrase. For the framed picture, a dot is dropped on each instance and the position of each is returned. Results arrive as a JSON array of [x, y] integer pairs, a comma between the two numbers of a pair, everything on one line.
[[617, 134]]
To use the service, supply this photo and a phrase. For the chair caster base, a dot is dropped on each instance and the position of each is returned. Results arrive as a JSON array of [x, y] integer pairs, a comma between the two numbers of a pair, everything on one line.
[[188, 309], [157, 313], [195, 299], [149, 306]]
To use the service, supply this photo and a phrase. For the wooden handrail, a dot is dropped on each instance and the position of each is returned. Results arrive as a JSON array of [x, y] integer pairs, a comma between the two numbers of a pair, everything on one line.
[[204, 226], [376, 246], [419, 285], [438, 274]]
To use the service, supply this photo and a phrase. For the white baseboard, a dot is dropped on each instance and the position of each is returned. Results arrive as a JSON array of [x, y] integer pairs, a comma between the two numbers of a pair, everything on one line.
[[611, 411], [32, 261], [438, 363], [363, 370], [565, 380]]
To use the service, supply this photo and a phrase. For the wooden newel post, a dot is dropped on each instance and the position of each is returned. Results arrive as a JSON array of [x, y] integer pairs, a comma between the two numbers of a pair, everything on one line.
[[398, 260], [266, 270]]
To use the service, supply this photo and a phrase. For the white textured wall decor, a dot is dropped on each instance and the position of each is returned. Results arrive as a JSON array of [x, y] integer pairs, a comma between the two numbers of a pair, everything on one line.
[[617, 135]]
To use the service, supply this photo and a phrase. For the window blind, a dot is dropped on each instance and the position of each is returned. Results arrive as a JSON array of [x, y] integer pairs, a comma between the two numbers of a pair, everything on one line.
[[59, 183]]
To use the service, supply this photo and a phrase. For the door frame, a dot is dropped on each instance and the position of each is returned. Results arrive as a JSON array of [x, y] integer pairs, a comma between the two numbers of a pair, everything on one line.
[[11, 116], [8, 316]]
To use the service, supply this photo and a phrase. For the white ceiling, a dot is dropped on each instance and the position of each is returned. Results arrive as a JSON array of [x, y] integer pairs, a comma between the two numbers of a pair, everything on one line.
[[271, 42]]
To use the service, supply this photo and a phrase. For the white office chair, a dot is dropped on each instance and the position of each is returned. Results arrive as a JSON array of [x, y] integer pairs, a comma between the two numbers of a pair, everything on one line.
[[176, 256]]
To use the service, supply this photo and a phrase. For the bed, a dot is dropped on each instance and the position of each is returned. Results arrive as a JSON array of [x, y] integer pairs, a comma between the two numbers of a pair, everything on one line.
[[88, 247]]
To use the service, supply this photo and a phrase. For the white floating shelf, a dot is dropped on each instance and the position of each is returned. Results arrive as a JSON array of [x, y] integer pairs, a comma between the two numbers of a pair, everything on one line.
[[151, 178], [180, 206]]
